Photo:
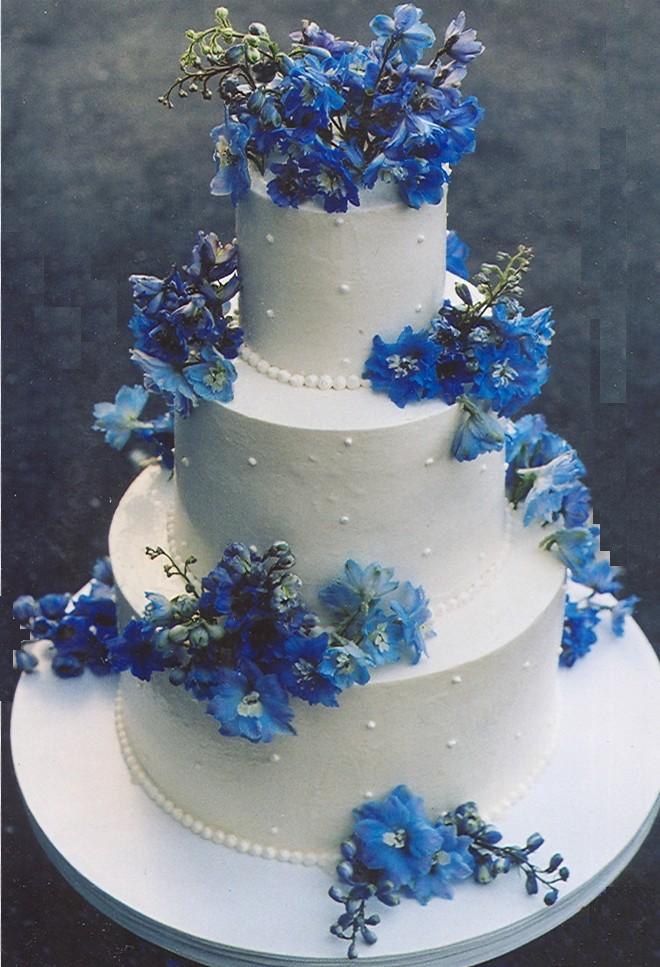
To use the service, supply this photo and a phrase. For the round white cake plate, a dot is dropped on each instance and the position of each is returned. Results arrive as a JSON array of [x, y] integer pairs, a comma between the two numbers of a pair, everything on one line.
[[595, 802]]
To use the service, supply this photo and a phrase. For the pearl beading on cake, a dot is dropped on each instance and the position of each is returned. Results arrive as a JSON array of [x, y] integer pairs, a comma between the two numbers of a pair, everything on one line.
[[212, 833], [323, 381]]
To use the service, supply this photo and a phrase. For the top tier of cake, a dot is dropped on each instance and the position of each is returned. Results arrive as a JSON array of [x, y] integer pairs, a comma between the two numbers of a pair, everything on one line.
[[316, 287]]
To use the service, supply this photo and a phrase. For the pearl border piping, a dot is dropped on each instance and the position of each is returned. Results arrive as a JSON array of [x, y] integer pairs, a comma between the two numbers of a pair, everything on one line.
[[212, 833], [300, 380]]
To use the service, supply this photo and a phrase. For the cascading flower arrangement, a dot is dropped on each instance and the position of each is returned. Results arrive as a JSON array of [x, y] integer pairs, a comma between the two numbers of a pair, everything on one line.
[[243, 641], [484, 354], [329, 117], [185, 338]]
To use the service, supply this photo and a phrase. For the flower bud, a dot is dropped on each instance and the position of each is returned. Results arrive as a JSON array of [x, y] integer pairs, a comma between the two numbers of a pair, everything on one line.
[[178, 634]]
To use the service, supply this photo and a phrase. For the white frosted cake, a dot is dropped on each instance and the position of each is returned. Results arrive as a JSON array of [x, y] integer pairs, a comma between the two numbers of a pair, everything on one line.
[[341, 473]]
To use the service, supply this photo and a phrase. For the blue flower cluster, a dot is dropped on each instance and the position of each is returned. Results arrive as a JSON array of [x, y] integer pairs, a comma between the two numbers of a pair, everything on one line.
[[246, 642], [544, 476], [78, 628], [330, 117], [396, 850], [185, 339]]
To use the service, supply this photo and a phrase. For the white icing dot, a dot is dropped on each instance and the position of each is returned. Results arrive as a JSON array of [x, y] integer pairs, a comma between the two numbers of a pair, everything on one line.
[[185, 461], [284, 376], [274, 830], [344, 519], [368, 794], [218, 836], [429, 462], [527, 664], [297, 380], [273, 372], [346, 361], [418, 307], [340, 382], [451, 743], [275, 757], [353, 382], [197, 826], [348, 442], [481, 555], [456, 680], [270, 239], [232, 841], [244, 846], [426, 552], [312, 380], [483, 468], [339, 220], [344, 288], [270, 852], [371, 724], [325, 381], [263, 366], [421, 237], [518, 735], [270, 313], [252, 461], [312, 458], [256, 849]]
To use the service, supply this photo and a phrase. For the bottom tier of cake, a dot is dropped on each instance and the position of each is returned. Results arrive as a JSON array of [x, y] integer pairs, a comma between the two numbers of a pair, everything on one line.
[[473, 720]]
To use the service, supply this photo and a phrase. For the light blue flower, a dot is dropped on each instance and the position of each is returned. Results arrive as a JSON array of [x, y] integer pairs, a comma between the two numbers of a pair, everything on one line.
[[119, 419], [580, 620], [162, 377], [413, 614], [25, 608], [381, 638], [213, 378], [599, 575], [552, 484], [102, 571], [621, 610], [462, 44], [395, 836], [452, 862], [576, 547], [457, 255], [359, 588], [251, 705], [405, 31], [158, 609], [479, 431], [232, 175], [345, 665]]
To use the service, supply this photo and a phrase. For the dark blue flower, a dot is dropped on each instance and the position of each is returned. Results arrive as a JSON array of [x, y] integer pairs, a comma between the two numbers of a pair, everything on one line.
[[232, 176], [25, 608], [404, 34], [479, 431], [303, 672], [404, 369], [53, 606], [395, 836], [251, 705], [134, 649]]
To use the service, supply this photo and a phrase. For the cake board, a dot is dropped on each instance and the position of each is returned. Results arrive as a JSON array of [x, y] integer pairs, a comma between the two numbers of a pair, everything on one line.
[[595, 802]]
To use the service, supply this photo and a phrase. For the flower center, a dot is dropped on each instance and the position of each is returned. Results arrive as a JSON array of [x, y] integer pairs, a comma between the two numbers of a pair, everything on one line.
[[504, 373], [303, 670], [250, 705], [216, 377], [441, 858], [402, 365], [396, 838]]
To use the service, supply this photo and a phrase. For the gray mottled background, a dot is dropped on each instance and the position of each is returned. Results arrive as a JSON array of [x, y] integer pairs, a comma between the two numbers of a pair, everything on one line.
[[100, 181]]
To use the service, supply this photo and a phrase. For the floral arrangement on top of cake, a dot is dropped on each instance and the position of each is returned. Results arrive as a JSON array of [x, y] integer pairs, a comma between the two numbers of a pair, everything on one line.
[[332, 117]]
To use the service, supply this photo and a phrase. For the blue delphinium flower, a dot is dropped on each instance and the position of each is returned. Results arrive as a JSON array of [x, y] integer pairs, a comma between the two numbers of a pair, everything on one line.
[[134, 650], [396, 836], [404, 369], [621, 610], [102, 571], [457, 255], [479, 431], [25, 608], [162, 377], [599, 575], [304, 671], [232, 176], [576, 547], [552, 485], [345, 664], [413, 614], [404, 33], [251, 705], [213, 377], [450, 863], [382, 640], [462, 44], [119, 419], [580, 620], [357, 589]]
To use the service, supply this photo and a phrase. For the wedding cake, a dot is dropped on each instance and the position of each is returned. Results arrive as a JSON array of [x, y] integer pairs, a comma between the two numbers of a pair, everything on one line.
[[363, 590]]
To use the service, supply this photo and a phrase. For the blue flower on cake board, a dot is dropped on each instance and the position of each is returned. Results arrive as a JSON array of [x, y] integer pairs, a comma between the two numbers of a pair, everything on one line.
[[395, 836], [580, 620], [450, 863]]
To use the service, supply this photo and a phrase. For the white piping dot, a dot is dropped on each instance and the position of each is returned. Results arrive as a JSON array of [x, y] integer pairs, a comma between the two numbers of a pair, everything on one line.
[[185, 461], [344, 519], [339, 220], [429, 462], [420, 238], [275, 757], [348, 442], [270, 239], [456, 680], [371, 724], [344, 288], [450, 743], [252, 461], [270, 313]]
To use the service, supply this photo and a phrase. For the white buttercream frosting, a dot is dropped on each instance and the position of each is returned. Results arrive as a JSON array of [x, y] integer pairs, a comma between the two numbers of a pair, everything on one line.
[[317, 287]]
